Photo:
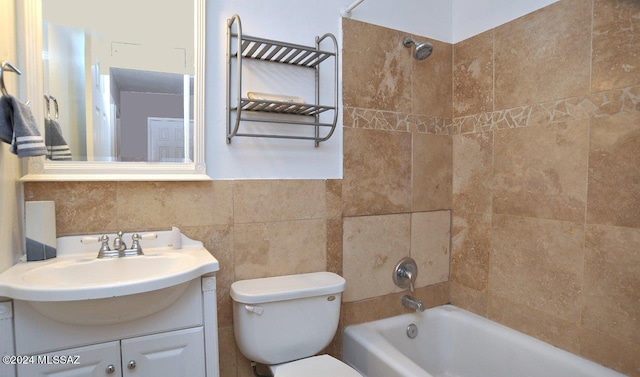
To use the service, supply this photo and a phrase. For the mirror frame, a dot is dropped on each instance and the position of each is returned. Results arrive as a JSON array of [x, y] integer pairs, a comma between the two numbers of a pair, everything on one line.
[[41, 169]]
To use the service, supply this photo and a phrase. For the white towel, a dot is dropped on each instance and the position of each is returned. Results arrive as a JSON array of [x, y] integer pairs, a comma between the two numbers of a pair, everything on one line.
[[57, 147], [19, 128]]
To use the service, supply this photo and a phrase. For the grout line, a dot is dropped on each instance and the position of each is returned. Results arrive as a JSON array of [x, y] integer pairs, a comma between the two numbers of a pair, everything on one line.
[[584, 241], [591, 48], [491, 213], [493, 64], [411, 171]]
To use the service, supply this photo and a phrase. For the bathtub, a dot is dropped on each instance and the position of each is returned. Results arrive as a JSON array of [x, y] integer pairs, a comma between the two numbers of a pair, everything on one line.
[[452, 342]]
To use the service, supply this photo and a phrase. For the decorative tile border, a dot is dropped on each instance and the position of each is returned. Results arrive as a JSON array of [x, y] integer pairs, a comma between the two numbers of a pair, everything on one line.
[[594, 105], [355, 117], [625, 100]]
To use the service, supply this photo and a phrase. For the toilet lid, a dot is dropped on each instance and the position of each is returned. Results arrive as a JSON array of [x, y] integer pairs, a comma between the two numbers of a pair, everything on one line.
[[317, 366]]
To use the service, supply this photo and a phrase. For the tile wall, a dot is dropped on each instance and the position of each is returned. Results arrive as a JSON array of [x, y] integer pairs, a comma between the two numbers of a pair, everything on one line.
[[397, 184], [546, 177], [514, 154]]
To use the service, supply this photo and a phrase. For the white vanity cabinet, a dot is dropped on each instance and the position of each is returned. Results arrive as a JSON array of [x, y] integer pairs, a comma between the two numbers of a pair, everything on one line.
[[180, 340], [176, 353], [93, 361]]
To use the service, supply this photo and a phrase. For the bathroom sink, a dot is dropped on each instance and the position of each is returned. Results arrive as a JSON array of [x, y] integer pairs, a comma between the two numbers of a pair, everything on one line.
[[76, 287], [90, 278]]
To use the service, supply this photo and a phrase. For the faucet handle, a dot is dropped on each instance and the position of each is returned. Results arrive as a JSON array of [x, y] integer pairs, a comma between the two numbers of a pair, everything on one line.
[[135, 244], [105, 243], [405, 273], [147, 236]]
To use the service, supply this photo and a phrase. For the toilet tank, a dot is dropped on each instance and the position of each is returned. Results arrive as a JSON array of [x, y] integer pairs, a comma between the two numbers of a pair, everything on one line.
[[286, 318]]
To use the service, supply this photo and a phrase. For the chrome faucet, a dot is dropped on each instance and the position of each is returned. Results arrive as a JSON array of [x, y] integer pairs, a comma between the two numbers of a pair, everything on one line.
[[412, 303], [406, 273], [118, 243], [404, 276], [119, 247]]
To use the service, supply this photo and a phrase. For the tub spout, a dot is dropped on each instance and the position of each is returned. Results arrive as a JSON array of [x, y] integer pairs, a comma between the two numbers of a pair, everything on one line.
[[412, 303]]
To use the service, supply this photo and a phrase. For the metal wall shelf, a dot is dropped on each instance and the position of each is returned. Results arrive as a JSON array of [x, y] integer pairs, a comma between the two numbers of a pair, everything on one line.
[[247, 47]]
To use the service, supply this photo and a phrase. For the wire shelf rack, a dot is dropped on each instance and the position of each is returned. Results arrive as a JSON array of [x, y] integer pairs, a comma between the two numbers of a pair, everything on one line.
[[248, 47]]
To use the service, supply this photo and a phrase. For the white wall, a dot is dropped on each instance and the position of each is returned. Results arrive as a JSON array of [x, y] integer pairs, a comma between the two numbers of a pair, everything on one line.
[[11, 199], [472, 17], [428, 18], [447, 21], [283, 20]]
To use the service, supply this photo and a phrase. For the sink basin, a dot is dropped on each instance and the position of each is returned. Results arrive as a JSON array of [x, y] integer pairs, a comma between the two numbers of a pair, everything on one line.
[[78, 288], [112, 276]]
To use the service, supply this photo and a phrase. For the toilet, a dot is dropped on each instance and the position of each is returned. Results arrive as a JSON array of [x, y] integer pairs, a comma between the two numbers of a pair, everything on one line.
[[283, 321]]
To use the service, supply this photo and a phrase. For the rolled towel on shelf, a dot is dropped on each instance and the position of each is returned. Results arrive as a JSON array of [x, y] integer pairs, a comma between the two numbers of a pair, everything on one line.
[[57, 147], [18, 127], [274, 97]]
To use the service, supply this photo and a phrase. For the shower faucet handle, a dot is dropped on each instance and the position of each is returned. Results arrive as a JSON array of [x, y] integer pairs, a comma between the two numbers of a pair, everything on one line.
[[406, 273]]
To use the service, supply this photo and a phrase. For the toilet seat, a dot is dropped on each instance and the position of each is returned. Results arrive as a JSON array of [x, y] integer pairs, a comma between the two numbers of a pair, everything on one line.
[[316, 366]]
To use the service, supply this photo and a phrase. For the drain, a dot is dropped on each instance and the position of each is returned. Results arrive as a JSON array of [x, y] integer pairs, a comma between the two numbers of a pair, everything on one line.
[[412, 331]]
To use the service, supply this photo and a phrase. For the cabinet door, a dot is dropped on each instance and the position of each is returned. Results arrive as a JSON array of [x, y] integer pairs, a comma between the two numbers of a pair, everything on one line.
[[177, 353], [99, 360]]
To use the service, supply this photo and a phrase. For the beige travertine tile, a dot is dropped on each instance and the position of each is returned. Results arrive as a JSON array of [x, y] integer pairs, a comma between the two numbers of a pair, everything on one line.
[[334, 199], [279, 248], [430, 246], [432, 172], [610, 351], [243, 366], [377, 172], [334, 348], [218, 239], [616, 61], [541, 171], [432, 92], [278, 200], [541, 56], [612, 281], [376, 67], [556, 331], [469, 299], [471, 247], [227, 351], [473, 75], [81, 207], [334, 245], [538, 263], [156, 205], [372, 246], [390, 305], [614, 171], [431, 296], [472, 172]]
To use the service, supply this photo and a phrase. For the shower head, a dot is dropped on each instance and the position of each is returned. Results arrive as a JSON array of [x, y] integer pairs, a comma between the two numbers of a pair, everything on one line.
[[422, 51]]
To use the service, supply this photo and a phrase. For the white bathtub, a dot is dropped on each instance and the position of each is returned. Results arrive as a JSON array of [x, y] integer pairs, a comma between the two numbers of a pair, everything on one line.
[[453, 342]]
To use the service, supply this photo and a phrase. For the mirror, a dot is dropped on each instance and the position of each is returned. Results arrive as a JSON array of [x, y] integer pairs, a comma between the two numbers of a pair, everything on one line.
[[122, 88]]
